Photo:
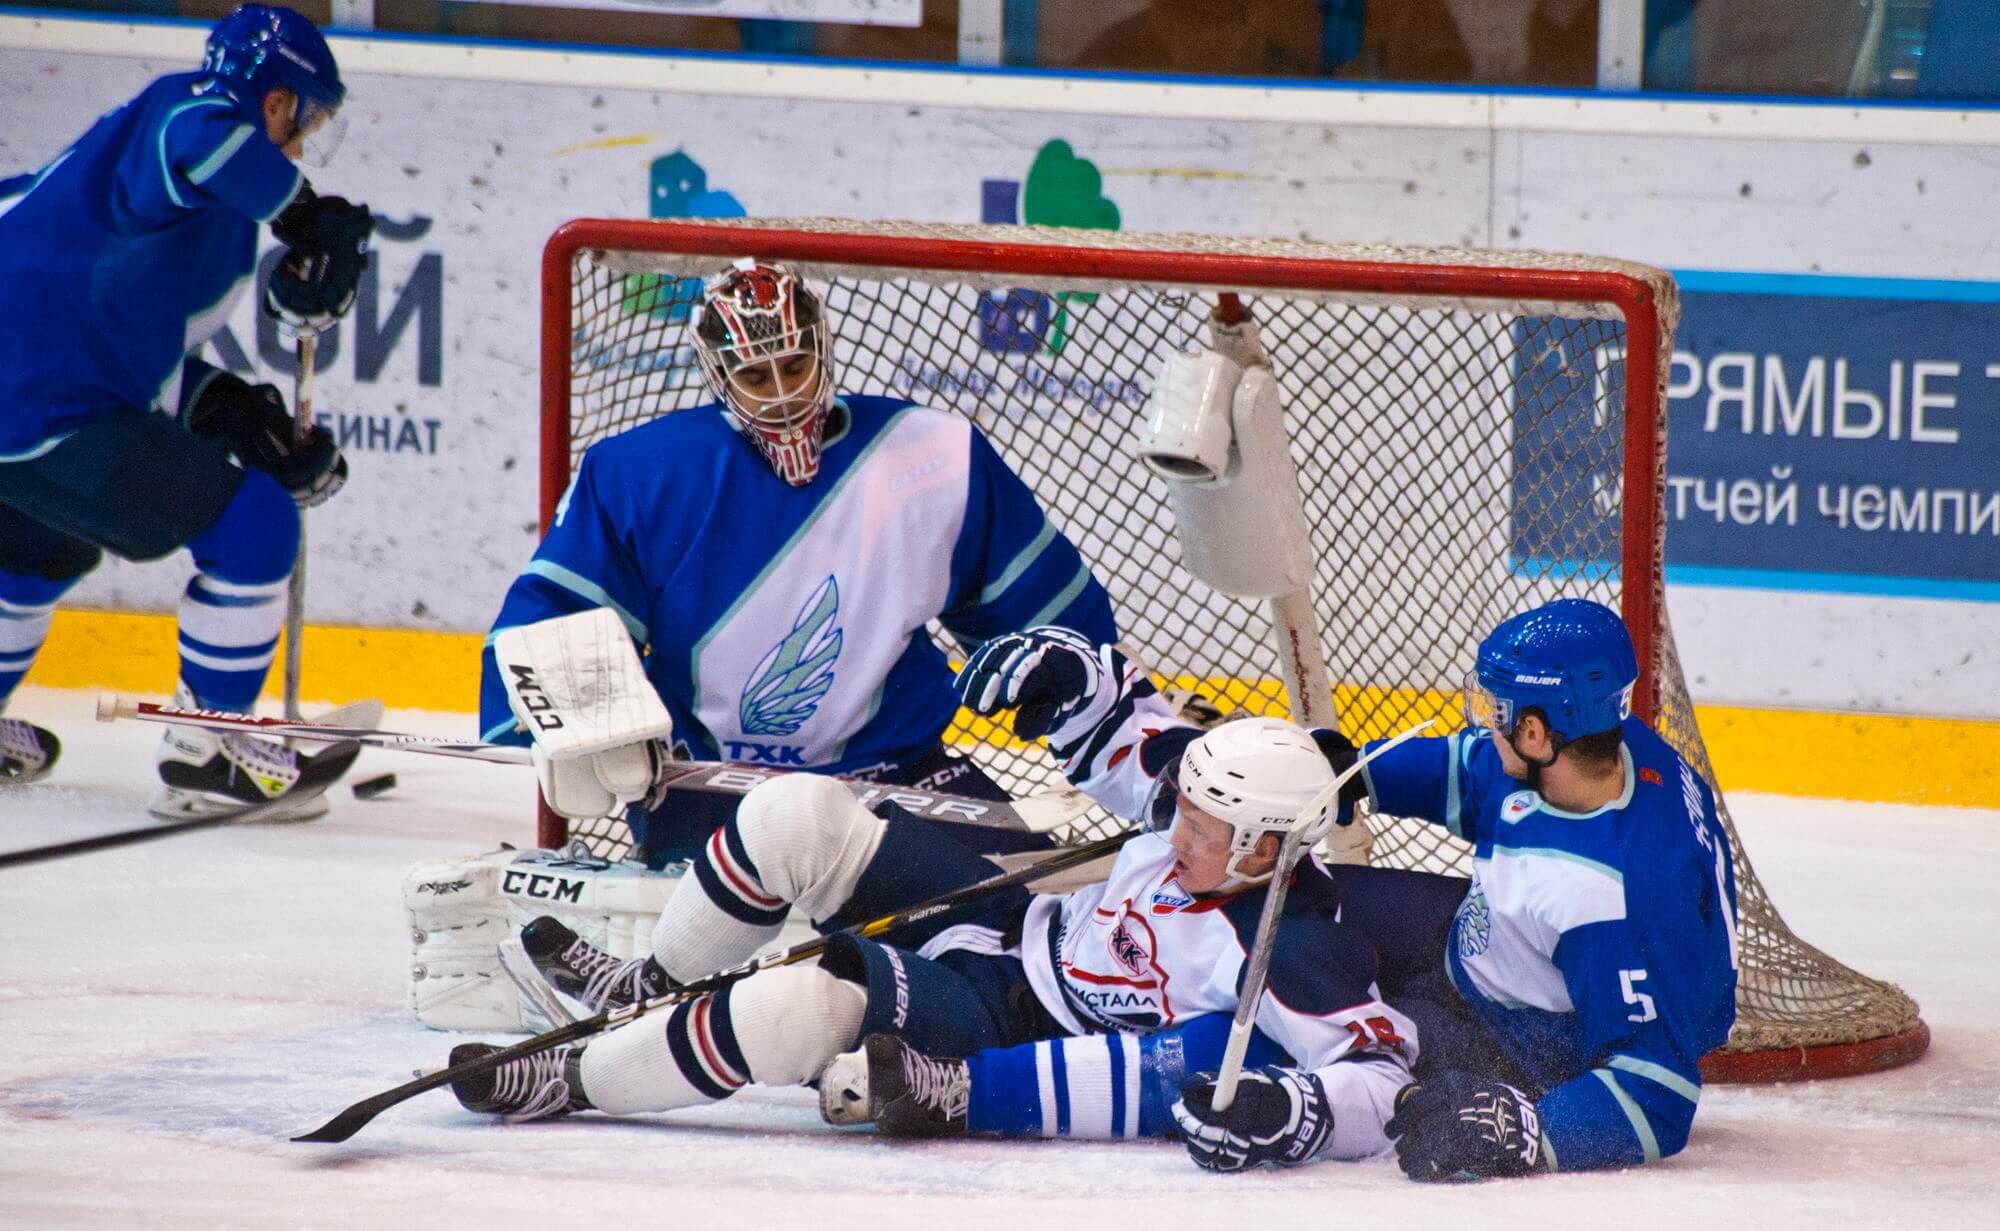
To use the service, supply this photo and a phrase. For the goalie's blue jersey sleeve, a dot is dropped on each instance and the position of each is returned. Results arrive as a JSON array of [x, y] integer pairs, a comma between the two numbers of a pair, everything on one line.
[[127, 252], [786, 625], [1598, 949]]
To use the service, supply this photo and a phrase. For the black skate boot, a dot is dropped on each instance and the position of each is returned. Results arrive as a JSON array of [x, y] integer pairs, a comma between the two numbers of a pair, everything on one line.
[[903, 1092], [586, 973], [205, 772], [27, 752], [534, 1087]]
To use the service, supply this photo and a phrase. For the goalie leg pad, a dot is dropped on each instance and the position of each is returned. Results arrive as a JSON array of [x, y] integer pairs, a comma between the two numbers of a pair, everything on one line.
[[779, 1027], [799, 839], [460, 911]]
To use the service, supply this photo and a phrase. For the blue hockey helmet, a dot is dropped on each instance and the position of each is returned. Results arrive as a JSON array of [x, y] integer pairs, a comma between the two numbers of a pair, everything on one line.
[[259, 47], [1571, 659]]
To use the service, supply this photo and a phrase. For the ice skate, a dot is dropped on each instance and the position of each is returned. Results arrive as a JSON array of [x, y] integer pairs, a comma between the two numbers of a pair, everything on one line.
[[586, 973], [903, 1092], [532, 1088], [27, 752], [206, 772]]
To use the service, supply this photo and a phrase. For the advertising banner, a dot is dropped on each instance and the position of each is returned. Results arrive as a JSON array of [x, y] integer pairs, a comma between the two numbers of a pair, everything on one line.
[[1845, 439]]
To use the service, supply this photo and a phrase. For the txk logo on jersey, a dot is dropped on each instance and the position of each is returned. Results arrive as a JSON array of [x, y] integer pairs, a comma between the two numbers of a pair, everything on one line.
[[787, 684]]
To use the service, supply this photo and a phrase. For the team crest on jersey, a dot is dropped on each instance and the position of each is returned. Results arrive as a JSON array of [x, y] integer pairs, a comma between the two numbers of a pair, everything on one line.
[[786, 688], [1135, 997], [1518, 805], [1475, 925]]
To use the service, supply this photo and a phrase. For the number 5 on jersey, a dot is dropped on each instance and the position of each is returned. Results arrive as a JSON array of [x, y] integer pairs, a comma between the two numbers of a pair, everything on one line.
[[1646, 1013]]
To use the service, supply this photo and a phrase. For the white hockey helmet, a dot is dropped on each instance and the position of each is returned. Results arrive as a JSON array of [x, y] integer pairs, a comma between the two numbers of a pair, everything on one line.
[[1259, 775], [754, 316]]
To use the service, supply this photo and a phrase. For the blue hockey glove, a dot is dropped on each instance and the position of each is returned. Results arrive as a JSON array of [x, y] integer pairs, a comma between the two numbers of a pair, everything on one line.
[[326, 241], [250, 421], [1047, 676], [1460, 1127], [1279, 1116]]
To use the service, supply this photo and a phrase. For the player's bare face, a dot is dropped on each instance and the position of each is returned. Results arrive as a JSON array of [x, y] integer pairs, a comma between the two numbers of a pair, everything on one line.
[[1201, 850], [778, 392]]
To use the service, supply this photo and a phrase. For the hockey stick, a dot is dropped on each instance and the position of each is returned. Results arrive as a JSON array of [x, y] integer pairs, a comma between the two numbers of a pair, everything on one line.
[[1267, 926], [295, 590], [319, 774], [1042, 813], [355, 1118]]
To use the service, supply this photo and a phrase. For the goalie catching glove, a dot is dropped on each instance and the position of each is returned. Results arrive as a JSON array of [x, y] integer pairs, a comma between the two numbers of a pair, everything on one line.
[[1460, 1127], [1278, 1116], [326, 250]]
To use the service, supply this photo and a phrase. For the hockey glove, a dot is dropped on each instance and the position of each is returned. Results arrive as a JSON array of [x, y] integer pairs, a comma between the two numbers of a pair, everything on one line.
[[326, 241], [250, 421], [1460, 1127], [1341, 754], [1047, 676], [1279, 1116]]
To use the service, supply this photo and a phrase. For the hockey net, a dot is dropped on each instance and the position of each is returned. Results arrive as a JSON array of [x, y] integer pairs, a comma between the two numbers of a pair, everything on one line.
[[1475, 432]]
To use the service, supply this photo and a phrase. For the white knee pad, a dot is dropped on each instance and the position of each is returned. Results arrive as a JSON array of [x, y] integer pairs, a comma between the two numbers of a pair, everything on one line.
[[791, 1021], [788, 1022], [810, 839]]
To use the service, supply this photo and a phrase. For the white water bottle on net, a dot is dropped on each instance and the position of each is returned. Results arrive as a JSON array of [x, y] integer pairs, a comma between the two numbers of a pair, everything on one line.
[[1472, 433]]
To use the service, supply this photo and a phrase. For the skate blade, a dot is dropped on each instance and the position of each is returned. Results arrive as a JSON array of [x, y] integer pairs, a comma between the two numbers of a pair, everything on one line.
[[175, 804]]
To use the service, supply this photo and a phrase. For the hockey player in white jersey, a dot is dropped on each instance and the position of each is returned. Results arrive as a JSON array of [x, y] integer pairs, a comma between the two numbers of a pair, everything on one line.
[[1162, 939], [1563, 996], [118, 261], [777, 555]]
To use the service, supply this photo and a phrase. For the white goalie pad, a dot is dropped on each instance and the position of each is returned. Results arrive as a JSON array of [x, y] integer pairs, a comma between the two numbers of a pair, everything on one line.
[[461, 910], [576, 685]]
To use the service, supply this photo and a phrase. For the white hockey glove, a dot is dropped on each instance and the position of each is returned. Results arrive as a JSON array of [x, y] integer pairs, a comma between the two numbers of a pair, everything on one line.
[[1053, 678], [1279, 1116], [577, 687]]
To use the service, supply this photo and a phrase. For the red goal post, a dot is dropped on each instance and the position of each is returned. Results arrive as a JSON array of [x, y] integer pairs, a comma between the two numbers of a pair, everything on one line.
[[1466, 422]]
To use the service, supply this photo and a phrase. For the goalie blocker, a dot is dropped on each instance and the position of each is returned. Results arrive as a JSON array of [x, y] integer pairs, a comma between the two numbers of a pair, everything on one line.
[[600, 732]]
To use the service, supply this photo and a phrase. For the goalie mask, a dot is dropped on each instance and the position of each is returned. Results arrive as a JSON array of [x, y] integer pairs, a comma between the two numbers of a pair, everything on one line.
[[765, 351], [1258, 775]]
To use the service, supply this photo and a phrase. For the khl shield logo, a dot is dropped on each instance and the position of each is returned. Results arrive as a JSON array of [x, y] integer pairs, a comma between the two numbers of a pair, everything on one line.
[[788, 683]]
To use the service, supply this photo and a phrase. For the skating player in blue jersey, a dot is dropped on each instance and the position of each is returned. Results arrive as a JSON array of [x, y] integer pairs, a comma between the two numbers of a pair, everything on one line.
[[1562, 997], [777, 555], [118, 260]]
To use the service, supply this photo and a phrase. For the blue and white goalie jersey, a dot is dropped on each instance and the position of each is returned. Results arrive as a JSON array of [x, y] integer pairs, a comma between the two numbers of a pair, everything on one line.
[[127, 252], [786, 625], [1598, 949]]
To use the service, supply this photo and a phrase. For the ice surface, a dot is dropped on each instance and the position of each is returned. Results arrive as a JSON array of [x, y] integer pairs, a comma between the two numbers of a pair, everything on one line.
[[171, 1012]]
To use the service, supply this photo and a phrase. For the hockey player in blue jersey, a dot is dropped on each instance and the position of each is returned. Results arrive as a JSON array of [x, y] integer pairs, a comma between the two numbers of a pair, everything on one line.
[[1597, 943], [777, 554], [1563, 997], [118, 260]]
